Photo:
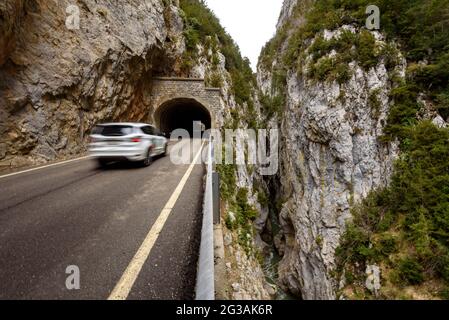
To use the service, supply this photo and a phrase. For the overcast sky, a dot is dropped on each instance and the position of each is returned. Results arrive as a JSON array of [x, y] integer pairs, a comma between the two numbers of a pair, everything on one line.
[[250, 22]]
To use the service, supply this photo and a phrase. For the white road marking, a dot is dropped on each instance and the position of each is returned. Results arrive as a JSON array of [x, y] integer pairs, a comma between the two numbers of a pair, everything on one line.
[[43, 167], [129, 277]]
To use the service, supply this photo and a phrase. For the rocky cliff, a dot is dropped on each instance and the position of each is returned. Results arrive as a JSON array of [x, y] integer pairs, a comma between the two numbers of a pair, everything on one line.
[[361, 113], [58, 79], [329, 84], [331, 157], [56, 82], [12, 13]]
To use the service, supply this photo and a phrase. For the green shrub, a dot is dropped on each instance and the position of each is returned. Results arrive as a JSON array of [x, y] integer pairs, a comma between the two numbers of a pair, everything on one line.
[[251, 116], [386, 246], [410, 272], [419, 195], [350, 278], [367, 51], [201, 24], [342, 73], [440, 259], [444, 294], [215, 60], [397, 22], [227, 180], [214, 80], [244, 215], [390, 55], [443, 103], [262, 198], [354, 246], [415, 207], [403, 114], [191, 33], [374, 102], [272, 106], [241, 88], [322, 69], [320, 48], [245, 210], [230, 224]]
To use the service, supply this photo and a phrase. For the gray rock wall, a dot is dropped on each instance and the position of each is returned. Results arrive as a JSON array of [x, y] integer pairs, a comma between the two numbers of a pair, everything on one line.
[[286, 11], [56, 82], [331, 157]]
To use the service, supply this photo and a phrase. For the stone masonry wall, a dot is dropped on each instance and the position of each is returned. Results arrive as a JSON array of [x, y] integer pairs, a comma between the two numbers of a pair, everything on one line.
[[166, 89]]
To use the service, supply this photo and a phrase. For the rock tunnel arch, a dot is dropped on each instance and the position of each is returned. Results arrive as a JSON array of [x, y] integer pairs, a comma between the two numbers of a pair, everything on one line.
[[181, 113], [178, 102]]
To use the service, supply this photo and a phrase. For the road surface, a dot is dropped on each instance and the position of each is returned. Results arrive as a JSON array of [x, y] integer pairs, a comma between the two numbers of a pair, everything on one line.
[[76, 214]]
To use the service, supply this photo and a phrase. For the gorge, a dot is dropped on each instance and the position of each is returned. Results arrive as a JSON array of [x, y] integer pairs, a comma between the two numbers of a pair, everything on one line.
[[363, 118]]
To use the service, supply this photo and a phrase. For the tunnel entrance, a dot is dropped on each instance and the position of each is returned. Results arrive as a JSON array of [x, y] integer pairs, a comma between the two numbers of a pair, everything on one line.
[[181, 114]]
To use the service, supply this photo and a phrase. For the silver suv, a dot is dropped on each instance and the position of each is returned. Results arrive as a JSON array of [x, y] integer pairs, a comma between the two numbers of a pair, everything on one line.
[[137, 142]]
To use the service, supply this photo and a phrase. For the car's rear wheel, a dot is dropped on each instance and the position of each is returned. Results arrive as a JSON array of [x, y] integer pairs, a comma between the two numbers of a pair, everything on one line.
[[102, 163], [149, 158], [165, 150]]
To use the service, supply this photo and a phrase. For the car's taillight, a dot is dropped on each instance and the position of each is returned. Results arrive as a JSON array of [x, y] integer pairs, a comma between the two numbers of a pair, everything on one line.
[[136, 140]]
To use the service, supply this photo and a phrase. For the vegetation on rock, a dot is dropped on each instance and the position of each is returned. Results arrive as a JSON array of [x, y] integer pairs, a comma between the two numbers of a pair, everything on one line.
[[405, 227], [203, 29], [201, 24]]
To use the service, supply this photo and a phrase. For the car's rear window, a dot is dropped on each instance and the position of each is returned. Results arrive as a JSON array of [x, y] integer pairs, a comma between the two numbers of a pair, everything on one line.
[[112, 131]]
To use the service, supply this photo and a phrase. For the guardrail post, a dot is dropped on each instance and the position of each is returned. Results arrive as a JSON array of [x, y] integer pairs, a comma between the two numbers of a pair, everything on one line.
[[216, 196]]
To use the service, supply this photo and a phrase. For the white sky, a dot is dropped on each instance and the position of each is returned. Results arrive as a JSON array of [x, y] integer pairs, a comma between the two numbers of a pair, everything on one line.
[[251, 23]]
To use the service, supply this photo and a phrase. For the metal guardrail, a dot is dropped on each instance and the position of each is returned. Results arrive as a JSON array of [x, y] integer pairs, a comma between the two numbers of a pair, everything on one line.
[[205, 285]]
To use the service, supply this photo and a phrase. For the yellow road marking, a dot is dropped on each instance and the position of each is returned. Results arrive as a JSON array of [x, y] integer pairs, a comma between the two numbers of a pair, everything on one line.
[[129, 277]]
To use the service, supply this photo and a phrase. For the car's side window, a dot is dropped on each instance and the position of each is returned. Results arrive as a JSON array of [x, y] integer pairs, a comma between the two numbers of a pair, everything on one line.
[[148, 130]]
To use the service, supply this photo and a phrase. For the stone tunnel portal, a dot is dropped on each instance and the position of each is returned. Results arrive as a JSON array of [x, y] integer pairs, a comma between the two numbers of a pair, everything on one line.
[[181, 113]]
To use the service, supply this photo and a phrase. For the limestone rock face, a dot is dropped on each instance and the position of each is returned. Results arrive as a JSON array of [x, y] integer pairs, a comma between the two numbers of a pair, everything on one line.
[[287, 9], [331, 157], [11, 12], [56, 82]]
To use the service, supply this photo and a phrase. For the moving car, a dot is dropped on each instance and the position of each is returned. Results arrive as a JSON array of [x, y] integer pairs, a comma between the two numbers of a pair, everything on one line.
[[137, 142]]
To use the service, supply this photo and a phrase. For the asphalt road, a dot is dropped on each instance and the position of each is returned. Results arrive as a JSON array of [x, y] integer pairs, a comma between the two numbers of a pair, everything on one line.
[[78, 214]]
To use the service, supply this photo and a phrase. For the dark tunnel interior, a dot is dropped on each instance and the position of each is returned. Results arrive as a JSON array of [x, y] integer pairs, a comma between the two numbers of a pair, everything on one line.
[[181, 114]]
